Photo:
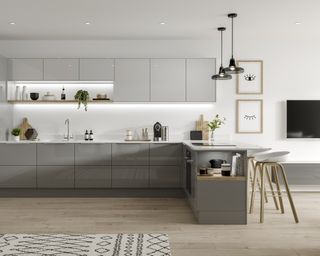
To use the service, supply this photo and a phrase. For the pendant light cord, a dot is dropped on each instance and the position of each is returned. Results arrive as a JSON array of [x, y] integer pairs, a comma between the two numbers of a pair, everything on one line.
[[232, 37], [221, 47]]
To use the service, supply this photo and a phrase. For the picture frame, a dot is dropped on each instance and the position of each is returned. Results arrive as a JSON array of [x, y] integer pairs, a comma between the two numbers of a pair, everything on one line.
[[249, 115], [251, 81]]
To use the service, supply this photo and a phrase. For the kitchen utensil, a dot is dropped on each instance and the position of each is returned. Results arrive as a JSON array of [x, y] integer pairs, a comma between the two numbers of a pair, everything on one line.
[[24, 126], [157, 129], [31, 134], [203, 171], [216, 163], [48, 97], [225, 169], [165, 133], [34, 95]]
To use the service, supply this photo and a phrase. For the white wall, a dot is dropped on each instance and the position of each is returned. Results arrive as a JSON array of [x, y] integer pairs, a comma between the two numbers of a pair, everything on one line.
[[290, 70]]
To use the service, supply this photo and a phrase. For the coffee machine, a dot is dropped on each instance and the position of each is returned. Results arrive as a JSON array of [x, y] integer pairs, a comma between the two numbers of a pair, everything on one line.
[[157, 132]]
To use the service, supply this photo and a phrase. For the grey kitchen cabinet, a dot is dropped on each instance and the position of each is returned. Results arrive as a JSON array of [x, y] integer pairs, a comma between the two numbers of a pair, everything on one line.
[[166, 154], [93, 176], [130, 176], [61, 69], [130, 154], [55, 176], [132, 80], [18, 154], [168, 80], [25, 69], [55, 154], [165, 176], [92, 154], [200, 86], [96, 69], [18, 176]]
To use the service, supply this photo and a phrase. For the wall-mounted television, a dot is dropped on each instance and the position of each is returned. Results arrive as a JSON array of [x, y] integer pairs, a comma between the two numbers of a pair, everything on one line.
[[303, 118]]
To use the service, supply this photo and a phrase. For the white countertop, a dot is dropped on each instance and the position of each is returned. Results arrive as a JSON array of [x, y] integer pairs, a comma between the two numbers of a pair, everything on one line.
[[218, 146]]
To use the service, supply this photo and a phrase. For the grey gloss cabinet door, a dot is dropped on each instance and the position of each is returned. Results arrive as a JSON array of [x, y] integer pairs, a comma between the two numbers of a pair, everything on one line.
[[130, 154], [55, 154], [165, 176], [200, 86], [168, 80], [93, 176], [17, 154], [55, 176], [25, 69], [61, 69], [130, 176], [96, 69], [165, 154], [92, 154], [132, 80], [18, 177]]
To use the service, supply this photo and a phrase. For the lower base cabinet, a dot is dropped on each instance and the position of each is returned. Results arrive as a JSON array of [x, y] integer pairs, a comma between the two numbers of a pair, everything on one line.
[[55, 176], [93, 176], [18, 176], [165, 176], [130, 176]]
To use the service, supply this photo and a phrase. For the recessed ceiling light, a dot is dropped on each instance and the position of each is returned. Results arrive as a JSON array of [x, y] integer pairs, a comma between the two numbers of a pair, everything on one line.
[[162, 23], [12, 23], [87, 23], [298, 23]]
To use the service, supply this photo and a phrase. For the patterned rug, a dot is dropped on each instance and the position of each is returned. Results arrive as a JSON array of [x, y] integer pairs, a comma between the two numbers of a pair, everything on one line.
[[84, 245]]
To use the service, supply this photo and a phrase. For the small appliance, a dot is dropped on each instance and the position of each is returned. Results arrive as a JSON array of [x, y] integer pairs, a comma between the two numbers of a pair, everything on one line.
[[157, 132]]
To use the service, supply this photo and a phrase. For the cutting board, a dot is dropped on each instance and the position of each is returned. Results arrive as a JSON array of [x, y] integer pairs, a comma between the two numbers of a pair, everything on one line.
[[202, 125], [24, 126]]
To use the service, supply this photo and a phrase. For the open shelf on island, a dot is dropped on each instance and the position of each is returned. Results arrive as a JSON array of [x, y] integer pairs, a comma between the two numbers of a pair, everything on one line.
[[221, 178], [55, 101]]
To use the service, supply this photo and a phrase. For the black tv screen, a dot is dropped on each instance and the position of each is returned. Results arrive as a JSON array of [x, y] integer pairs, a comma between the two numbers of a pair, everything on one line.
[[303, 119]]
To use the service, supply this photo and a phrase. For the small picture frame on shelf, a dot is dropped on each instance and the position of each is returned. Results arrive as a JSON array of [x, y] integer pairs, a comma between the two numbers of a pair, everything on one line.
[[249, 116], [251, 80]]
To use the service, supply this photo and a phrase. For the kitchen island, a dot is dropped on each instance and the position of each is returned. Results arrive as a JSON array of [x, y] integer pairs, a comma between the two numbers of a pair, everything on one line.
[[118, 168]]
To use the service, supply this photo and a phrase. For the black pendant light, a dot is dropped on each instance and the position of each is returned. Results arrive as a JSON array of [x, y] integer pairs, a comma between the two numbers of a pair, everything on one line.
[[233, 69], [222, 74]]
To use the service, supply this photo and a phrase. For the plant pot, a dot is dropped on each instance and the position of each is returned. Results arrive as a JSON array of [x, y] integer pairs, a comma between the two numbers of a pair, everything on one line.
[[16, 138]]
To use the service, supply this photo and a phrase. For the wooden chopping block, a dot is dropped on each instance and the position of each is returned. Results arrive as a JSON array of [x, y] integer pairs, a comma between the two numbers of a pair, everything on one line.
[[202, 125], [24, 126]]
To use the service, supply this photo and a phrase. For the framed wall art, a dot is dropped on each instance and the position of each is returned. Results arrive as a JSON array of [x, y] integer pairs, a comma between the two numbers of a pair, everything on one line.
[[251, 80], [249, 116]]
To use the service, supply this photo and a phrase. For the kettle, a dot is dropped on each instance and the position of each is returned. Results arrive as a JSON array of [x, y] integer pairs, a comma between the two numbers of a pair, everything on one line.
[[216, 163]]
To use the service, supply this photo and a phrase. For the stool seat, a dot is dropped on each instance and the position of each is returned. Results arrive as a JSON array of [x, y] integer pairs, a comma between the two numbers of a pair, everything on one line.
[[277, 157], [253, 152]]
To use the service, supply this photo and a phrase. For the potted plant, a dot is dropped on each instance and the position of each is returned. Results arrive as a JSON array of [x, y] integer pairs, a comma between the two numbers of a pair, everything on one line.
[[16, 134], [82, 96], [215, 124]]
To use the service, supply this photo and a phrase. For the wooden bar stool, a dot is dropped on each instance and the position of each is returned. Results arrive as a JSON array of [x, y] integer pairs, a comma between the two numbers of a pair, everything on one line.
[[271, 160]]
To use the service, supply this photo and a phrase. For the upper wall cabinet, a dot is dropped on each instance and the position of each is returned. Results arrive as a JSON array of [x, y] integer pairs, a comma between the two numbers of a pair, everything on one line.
[[200, 86], [168, 80], [132, 80], [96, 69], [25, 69], [61, 69]]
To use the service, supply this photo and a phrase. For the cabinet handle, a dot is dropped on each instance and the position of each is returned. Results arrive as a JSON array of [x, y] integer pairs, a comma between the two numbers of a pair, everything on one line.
[[189, 161]]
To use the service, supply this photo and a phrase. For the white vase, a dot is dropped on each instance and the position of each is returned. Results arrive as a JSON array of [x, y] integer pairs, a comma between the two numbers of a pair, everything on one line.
[[18, 93], [16, 138], [24, 93], [211, 136]]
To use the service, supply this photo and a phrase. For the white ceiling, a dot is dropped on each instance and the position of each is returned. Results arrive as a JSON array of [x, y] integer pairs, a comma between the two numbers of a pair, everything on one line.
[[139, 19]]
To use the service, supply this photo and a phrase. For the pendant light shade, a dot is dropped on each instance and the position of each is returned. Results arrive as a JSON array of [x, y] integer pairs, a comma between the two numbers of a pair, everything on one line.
[[222, 74], [233, 69]]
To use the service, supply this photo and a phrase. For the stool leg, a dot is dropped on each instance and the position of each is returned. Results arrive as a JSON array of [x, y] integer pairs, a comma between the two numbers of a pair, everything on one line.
[[272, 191], [262, 168], [295, 215], [253, 187], [265, 192], [276, 178]]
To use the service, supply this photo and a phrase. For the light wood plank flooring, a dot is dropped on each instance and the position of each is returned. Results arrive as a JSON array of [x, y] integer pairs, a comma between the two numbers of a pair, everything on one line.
[[278, 236]]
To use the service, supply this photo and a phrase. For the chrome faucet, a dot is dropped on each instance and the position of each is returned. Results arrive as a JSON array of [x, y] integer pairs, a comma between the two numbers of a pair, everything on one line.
[[67, 122]]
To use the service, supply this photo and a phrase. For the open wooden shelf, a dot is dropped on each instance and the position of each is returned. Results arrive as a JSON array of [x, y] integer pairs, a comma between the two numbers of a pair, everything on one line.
[[55, 101], [221, 178]]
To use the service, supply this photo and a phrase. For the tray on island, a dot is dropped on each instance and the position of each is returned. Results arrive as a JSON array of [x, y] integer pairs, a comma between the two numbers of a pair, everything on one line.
[[136, 140]]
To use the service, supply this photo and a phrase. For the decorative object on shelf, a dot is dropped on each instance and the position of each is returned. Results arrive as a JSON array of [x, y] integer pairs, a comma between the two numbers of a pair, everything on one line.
[[233, 67], [24, 126], [18, 93], [216, 163], [225, 169], [251, 81], [16, 134], [222, 74], [34, 95], [24, 95], [82, 96], [165, 133], [129, 135], [202, 125], [31, 134], [86, 135], [1, 93], [101, 97], [157, 129], [249, 116], [91, 137], [215, 124], [63, 94], [195, 135], [49, 97]]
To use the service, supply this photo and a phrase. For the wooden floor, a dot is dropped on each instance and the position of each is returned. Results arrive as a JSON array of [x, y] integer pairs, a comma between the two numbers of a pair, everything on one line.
[[278, 236]]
